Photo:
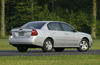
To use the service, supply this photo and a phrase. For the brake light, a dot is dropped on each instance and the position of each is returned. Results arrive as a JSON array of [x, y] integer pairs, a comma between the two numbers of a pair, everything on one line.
[[10, 33], [34, 32]]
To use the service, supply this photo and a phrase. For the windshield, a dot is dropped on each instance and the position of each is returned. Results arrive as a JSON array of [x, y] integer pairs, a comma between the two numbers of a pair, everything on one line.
[[31, 25]]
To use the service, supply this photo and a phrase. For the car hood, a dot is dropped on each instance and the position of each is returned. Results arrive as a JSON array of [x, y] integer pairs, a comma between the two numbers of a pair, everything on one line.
[[82, 33]]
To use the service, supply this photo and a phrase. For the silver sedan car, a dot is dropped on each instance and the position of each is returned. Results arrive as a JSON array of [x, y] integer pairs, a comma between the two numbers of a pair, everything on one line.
[[49, 35]]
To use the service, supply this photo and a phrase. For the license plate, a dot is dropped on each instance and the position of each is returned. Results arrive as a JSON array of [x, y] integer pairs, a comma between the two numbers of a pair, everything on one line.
[[21, 33]]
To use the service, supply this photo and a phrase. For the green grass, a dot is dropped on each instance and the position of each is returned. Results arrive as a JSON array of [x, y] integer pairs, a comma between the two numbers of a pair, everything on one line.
[[51, 60], [4, 45], [6, 37], [96, 44]]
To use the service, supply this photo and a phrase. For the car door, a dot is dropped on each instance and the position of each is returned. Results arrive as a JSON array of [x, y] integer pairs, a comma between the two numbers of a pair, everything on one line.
[[70, 35], [56, 33]]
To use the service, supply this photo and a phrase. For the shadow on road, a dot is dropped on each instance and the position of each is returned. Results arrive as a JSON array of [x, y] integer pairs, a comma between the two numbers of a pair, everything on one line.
[[37, 51]]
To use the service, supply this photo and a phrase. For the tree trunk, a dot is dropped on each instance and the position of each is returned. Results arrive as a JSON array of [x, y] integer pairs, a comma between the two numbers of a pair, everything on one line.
[[93, 32], [3, 18], [32, 6]]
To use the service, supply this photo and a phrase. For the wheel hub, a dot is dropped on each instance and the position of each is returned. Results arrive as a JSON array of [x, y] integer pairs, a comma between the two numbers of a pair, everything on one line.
[[48, 45], [84, 45]]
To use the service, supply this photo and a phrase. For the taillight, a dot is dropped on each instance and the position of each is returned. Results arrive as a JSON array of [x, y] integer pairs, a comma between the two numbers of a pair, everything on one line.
[[34, 32], [10, 33]]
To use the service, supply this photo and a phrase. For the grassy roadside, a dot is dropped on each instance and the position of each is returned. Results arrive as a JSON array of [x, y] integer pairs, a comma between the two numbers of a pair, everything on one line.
[[96, 44], [4, 45], [51, 60]]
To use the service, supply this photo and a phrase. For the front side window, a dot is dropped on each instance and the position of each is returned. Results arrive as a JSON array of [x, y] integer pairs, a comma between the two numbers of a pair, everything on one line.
[[54, 26], [66, 27]]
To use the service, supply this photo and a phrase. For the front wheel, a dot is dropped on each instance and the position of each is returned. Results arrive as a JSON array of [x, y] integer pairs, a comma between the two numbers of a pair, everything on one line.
[[84, 46], [48, 45], [22, 49]]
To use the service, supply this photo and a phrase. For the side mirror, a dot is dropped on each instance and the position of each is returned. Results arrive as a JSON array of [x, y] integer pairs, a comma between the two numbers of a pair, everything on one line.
[[74, 30]]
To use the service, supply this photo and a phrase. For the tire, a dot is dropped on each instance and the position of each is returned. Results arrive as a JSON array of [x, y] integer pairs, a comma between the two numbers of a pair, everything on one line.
[[22, 49], [59, 49], [84, 46], [47, 45]]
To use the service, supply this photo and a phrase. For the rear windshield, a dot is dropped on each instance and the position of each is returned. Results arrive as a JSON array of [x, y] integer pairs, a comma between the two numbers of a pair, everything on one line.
[[31, 25]]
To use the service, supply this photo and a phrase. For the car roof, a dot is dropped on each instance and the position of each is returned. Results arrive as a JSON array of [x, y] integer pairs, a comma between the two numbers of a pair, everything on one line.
[[47, 21]]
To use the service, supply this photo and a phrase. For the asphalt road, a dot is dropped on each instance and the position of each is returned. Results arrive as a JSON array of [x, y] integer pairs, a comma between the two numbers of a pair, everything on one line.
[[40, 53]]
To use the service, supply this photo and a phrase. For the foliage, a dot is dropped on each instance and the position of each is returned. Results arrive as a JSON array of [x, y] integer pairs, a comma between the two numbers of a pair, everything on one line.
[[77, 13], [80, 20], [47, 15]]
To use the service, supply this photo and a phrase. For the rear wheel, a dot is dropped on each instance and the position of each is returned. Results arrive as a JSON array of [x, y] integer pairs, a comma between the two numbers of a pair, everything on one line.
[[59, 49], [84, 46], [48, 45], [22, 49]]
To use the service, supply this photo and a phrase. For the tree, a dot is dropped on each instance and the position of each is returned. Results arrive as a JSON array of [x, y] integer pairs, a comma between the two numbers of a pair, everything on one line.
[[93, 31], [3, 18], [19, 12]]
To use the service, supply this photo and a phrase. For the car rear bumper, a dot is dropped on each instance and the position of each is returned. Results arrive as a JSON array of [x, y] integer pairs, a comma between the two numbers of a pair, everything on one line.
[[24, 41]]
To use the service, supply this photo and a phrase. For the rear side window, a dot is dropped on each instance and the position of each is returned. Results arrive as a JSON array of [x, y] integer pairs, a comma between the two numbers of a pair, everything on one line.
[[54, 26], [31, 25]]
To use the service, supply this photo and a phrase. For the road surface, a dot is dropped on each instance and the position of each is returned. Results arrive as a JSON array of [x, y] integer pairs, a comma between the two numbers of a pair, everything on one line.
[[40, 53]]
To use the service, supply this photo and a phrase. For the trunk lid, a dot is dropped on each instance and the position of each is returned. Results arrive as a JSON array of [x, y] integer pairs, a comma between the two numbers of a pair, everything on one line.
[[21, 32]]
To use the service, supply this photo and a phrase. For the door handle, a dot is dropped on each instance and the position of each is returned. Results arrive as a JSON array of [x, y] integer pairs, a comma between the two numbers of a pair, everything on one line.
[[66, 33]]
